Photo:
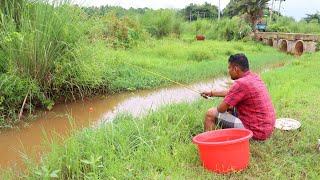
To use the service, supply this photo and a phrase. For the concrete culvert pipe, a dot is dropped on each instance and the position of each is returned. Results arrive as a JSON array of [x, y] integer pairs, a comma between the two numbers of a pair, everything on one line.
[[298, 48], [270, 42], [284, 46]]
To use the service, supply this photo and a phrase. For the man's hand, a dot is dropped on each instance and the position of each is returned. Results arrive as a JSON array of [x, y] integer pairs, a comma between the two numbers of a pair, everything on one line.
[[206, 94], [230, 109]]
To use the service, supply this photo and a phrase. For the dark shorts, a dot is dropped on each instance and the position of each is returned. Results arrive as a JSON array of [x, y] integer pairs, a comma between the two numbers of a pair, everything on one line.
[[227, 120]]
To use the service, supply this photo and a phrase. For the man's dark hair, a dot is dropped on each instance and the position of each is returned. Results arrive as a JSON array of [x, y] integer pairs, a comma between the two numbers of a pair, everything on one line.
[[239, 60]]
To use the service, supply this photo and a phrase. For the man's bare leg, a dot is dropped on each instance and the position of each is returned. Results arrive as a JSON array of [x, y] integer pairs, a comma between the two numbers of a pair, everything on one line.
[[209, 123]]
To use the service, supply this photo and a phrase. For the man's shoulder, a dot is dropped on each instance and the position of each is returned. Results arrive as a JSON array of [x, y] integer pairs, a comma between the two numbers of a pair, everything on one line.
[[250, 76], [249, 81]]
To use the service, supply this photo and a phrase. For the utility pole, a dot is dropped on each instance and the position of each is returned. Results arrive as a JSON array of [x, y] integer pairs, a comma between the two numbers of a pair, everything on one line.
[[280, 5], [271, 12], [219, 11]]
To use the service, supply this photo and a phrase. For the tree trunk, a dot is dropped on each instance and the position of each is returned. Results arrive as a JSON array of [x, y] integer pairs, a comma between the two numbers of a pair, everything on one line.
[[254, 28]]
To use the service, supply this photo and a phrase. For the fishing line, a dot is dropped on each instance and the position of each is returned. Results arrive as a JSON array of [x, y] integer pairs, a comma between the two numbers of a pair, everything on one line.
[[163, 77]]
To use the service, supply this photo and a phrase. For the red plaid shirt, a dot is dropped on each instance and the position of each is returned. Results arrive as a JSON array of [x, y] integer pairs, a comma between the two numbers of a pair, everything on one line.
[[253, 103]]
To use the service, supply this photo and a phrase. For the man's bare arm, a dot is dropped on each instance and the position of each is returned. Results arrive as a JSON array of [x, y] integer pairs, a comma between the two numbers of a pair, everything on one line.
[[215, 93], [219, 93], [223, 107]]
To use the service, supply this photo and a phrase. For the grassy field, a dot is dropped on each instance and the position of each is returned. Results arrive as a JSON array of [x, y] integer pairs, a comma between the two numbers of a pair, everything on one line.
[[183, 61], [158, 146]]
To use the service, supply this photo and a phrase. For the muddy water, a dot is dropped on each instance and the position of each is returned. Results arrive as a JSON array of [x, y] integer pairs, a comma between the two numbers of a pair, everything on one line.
[[28, 137]]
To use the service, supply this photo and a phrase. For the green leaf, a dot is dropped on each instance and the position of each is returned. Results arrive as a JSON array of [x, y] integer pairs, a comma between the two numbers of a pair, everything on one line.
[[98, 158], [86, 161], [54, 174], [38, 173]]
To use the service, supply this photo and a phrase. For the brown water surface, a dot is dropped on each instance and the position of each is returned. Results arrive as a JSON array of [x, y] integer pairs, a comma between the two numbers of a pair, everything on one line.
[[28, 137]]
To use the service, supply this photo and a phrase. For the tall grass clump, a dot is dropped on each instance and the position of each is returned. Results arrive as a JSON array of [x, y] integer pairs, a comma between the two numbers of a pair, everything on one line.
[[201, 26], [44, 33], [161, 23], [35, 38], [226, 29]]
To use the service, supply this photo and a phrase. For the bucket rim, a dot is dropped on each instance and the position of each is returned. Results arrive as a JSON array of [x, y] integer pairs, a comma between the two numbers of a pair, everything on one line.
[[247, 137]]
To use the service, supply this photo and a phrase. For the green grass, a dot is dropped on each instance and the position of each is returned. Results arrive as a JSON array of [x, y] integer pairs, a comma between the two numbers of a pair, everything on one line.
[[98, 68], [184, 62], [159, 146]]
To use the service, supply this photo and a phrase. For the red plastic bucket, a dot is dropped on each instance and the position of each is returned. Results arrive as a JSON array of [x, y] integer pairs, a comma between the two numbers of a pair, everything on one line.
[[224, 150]]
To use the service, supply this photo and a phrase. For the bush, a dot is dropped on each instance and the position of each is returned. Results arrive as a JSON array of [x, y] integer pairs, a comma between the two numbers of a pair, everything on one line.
[[318, 47], [201, 26], [277, 28], [13, 90], [225, 29], [289, 25], [121, 32], [161, 23]]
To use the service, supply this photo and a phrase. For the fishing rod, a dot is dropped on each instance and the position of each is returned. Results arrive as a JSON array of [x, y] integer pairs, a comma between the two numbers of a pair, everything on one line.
[[163, 77]]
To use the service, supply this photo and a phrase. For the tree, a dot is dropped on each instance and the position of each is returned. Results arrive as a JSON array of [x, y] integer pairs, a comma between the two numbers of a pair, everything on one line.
[[194, 11], [312, 17], [253, 9], [231, 9]]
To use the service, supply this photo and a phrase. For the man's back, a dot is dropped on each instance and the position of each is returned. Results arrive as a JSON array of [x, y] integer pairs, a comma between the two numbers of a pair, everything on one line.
[[253, 103]]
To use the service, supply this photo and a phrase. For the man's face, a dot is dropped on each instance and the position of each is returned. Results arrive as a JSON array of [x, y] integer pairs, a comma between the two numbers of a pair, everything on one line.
[[233, 71]]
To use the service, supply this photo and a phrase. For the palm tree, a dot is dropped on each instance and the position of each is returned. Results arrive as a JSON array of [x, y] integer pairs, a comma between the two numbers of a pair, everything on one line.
[[253, 9]]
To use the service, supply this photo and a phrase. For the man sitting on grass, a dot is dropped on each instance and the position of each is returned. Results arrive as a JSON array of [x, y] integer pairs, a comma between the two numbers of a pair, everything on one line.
[[250, 97]]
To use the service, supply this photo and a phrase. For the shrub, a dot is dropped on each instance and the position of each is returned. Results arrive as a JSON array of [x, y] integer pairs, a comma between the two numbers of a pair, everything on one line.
[[13, 91], [289, 25], [318, 47], [225, 29], [121, 32], [161, 23]]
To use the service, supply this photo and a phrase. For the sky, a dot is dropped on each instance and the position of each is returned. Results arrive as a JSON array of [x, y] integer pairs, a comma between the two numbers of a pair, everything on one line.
[[293, 8]]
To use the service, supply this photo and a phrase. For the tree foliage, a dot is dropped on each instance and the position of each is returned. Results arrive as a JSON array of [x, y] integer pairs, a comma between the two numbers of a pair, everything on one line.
[[205, 10], [253, 9], [313, 17], [231, 9]]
